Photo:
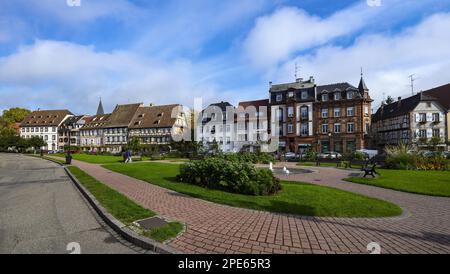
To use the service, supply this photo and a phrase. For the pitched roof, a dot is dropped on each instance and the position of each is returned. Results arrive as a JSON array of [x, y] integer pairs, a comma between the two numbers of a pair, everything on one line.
[[222, 105], [45, 118], [256, 103], [96, 121], [294, 85], [402, 107], [154, 117], [122, 115], [362, 85], [336, 86], [442, 94]]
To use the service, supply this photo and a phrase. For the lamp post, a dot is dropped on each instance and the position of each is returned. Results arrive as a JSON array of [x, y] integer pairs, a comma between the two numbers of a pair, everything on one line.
[[329, 141], [68, 156]]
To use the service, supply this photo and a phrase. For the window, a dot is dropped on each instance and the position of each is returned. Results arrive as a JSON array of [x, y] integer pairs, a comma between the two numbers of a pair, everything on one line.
[[304, 129], [53, 137], [422, 133], [351, 111], [291, 94], [54, 129], [228, 140], [304, 112], [228, 128], [304, 95], [32, 129], [437, 133], [279, 97], [325, 128], [324, 97], [46, 137], [350, 95], [324, 113], [213, 116], [366, 110], [290, 111], [422, 117], [280, 114], [337, 96], [337, 112], [337, 128], [290, 128], [351, 127], [367, 127], [436, 117]]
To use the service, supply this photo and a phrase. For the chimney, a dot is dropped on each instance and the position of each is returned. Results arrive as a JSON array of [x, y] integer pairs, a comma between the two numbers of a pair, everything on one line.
[[298, 80], [311, 79], [270, 83], [399, 102]]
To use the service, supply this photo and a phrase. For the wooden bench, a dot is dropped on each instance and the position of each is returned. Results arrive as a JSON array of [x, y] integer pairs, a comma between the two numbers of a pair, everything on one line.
[[328, 161], [136, 158], [370, 171], [355, 162]]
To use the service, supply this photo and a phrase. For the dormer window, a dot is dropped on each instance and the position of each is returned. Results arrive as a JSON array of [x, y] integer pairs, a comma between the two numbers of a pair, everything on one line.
[[337, 96], [279, 97], [160, 114], [291, 94], [304, 95], [349, 95], [324, 97], [141, 115], [156, 122]]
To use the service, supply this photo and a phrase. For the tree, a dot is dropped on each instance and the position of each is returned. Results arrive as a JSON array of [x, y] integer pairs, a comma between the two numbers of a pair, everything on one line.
[[389, 100], [36, 142], [15, 115], [134, 145], [435, 141]]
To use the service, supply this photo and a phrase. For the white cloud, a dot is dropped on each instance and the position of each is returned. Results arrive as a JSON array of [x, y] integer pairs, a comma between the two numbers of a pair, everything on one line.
[[387, 60], [52, 74]]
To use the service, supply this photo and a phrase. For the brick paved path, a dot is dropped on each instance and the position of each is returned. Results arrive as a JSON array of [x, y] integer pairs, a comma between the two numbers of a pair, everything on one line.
[[214, 228]]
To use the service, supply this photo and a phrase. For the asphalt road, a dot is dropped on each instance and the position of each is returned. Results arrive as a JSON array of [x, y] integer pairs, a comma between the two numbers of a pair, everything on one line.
[[42, 212]]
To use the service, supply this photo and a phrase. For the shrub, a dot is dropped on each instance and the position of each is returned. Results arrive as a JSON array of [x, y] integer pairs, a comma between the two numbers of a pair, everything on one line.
[[401, 157], [248, 157], [229, 175]]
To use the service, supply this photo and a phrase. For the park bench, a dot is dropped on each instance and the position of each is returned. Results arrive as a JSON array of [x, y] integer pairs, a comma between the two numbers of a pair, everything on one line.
[[354, 162], [136, 158], [380, 160], [328, 161], [370, 171]]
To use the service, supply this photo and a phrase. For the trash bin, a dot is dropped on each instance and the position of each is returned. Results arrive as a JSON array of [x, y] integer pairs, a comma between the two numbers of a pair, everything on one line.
[[68, 159]]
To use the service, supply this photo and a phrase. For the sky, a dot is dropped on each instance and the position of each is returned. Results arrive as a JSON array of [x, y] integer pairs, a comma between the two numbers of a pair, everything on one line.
[[59, 56]]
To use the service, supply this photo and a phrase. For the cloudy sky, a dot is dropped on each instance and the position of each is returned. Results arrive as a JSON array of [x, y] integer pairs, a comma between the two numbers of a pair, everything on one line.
[[53, 55]]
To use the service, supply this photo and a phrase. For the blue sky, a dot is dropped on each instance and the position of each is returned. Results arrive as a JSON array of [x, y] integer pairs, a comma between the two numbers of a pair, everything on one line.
[[56, 56]]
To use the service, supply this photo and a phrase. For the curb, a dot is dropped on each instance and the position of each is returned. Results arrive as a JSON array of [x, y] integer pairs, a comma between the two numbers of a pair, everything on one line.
[[116, 225]]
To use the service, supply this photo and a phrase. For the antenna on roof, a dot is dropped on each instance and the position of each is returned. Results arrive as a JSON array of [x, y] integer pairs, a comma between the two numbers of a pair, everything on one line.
[[411, 77]]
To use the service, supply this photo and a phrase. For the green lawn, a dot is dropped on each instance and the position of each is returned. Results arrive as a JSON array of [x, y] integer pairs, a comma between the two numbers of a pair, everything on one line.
[[122, 208], [295, 198], [434, 183], [94, 159]]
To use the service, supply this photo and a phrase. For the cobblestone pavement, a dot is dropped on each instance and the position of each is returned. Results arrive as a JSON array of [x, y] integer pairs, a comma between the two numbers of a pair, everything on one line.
[[212, 228]]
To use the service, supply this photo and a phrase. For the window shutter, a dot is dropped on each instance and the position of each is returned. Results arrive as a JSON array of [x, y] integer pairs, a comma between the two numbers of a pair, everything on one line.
[[429, 133], [429, 117], [417, 117], [441, 117], [417, 132]]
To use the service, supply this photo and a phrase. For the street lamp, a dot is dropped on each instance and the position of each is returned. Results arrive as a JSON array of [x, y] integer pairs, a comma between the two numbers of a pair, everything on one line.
[[329, 141]]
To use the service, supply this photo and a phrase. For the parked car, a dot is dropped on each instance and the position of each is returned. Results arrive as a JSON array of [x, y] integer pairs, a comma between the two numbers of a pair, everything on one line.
[[329, 155], [291, 156], [369, 153]]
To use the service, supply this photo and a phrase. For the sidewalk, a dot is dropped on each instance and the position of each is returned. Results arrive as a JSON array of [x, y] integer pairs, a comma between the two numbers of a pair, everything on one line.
[[214, 228]]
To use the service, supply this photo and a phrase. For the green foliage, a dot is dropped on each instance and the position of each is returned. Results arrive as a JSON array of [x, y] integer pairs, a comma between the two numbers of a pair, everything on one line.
[[247, 157], [14, 115], [134, 145], [402, 157], [229, 175]]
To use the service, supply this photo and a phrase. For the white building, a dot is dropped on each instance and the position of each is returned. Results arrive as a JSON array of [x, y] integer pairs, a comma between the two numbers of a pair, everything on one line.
[[46, 125]]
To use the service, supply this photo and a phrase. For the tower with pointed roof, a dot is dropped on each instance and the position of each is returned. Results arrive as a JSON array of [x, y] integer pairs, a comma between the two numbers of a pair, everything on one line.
[[362, 85], [100, 110]]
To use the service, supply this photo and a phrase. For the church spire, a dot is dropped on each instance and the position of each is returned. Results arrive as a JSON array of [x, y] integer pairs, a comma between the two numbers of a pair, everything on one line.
[[100, 110]]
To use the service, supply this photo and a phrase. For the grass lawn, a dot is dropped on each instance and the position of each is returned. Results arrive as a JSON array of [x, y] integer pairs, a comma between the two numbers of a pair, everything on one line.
[[123, 208], [295, 198], [434, 183], [94, 159]]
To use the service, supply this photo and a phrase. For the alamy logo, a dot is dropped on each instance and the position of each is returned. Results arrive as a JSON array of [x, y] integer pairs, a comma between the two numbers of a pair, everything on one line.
[[374, 3], [73, 3], [74, 248], [374, 248]]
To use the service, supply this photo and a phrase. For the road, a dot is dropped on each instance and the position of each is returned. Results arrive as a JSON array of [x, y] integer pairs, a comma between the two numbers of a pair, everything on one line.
[[42, 212]]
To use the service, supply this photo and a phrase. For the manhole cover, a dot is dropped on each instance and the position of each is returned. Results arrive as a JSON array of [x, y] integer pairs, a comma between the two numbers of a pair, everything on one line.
[[153, 222]]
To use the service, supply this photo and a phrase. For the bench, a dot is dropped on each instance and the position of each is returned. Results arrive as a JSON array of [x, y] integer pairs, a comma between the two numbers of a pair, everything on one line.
[[136, 158], [355, 162], [328, 161], [370, 171]]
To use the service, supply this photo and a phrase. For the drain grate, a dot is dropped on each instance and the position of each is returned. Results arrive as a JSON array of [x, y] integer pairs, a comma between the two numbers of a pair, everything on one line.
[[153, 222]]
